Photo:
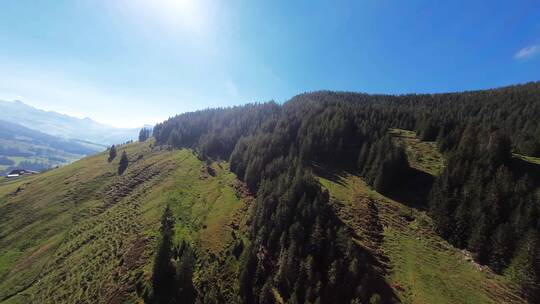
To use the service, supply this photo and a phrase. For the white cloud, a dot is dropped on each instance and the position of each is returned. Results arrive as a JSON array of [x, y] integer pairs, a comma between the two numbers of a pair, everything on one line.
[[527, 52]]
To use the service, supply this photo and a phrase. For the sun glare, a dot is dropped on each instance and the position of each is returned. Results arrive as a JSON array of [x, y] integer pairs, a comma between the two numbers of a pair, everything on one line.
[[187, 16]]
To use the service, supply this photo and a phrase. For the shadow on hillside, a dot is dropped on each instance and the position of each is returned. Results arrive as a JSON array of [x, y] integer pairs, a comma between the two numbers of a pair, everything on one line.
[[377, 265], [377, 268], [413, 190], [333, 174], [522, 167]]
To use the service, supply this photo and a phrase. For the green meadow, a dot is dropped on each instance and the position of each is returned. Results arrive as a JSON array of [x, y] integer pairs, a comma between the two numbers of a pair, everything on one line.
[[82, 232]]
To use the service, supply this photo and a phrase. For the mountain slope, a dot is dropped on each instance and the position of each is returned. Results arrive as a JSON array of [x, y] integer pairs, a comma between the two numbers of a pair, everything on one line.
[[64, 126], [356, 199], [483, 199], [95, 229], [23, 147], [90, 235], [420, 265]]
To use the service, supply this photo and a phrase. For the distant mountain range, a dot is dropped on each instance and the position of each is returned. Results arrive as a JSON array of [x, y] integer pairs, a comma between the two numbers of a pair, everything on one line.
[[35, 139], [24, 148], [64, 126]]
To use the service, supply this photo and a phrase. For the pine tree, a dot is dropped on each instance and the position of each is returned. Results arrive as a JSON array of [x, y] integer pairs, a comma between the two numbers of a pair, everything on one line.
[[524, 269], [502, 244], [163, 274], [478, 242], [184, 275], [265, 295], [247, 276], [112, 153], [144, 134], [499, 150], [123, 164]]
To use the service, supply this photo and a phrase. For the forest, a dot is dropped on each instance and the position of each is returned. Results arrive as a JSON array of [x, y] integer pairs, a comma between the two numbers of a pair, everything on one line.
[[485, 199]]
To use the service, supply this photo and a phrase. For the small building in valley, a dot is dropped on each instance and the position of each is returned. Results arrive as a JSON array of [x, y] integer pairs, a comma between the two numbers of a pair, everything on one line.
[[20, 172]]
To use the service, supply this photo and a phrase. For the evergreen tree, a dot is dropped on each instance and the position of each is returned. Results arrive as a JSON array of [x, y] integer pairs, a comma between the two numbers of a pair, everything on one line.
[[502, 246], [123, 164], [144, 134], [184, 275], [524, 269], [112, 153], [163, 274]]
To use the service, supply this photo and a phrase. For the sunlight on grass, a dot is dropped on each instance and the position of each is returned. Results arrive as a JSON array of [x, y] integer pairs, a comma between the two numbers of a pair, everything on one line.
[[83, 228], [423, 268], [422, 155]]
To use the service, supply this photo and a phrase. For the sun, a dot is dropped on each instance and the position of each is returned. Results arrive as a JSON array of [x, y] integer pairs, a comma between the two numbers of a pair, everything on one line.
[[187, 16]]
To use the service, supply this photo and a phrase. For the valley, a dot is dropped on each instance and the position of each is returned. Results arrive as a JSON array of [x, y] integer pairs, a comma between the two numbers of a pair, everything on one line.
[[24, 148], [63, 126]]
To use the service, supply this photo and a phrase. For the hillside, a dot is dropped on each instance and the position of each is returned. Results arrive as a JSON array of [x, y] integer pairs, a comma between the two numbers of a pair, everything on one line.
[[420, 265], [64, 126], [81, 232], [481, 198], [25, 148], [94, 229], [329, 198]]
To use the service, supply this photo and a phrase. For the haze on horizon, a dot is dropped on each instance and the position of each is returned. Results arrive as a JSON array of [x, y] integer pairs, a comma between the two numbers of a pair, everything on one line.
[[132, 62]]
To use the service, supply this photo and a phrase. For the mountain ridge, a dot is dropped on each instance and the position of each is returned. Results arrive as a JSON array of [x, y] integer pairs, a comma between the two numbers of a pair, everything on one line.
[[63, 125]]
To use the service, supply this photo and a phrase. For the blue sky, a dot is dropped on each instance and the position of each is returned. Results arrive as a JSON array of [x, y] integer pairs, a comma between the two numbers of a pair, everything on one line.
[[129, 62]]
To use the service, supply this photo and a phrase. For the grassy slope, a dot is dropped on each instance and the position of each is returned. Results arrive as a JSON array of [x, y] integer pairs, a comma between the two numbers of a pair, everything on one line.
[[422, 155], [81, 232], [530, 159], [421, 267]]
